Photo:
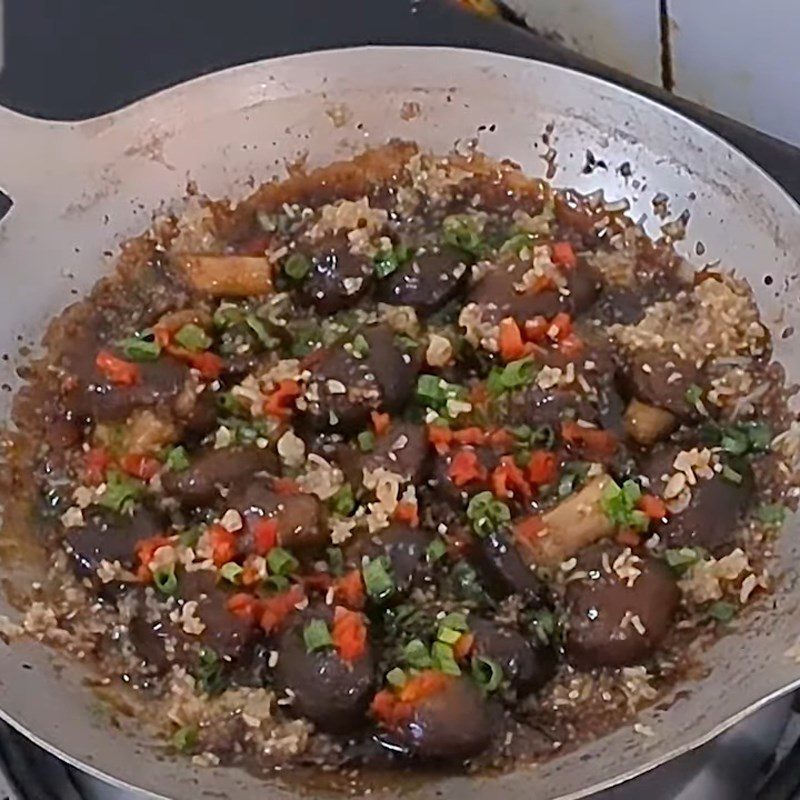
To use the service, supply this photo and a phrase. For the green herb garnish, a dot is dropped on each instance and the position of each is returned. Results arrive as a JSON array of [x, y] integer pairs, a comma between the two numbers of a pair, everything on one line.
[[177, 459], [771, 514], [435, 392], [193, 338], [487, 673], [722, 611], [443, 659], [317, 636], [746, 438], [517, 243], [165, 580], [416, 654], [228, 315], [513, 375], [231, 571], [464, 232], [297, 266], [142, 347], [539, 436], [731, 475], [366, 441], [281, 562], [280, 583], [693, 394], [335, 560], [396, 677], [454, 620], [184, 740], [258, 328], [378, 579], [387, 261], [360, 346], [209, 672], [680, 559], [544, 622], [487, 514], [572, 475], [121, 492], [436, 550], [619, 505], [343, 501]]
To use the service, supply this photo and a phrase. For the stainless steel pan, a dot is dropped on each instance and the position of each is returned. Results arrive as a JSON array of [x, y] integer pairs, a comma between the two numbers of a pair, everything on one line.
[[80, 188]]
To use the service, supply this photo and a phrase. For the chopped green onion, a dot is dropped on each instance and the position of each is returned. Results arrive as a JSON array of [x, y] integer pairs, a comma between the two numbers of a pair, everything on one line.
[[513, 375], [317, 636], [360, 346], [343, 501], [406, 343], [619, 505], [488, 674], [694, 394], [190, 536], [228, 404], [366, 441], [279, 583], [464, 232], [297, 266], [466, 583], [435, 392], [680, 559], [142, 347], [735, 442], [487, 514], [121, 492], [184, 739], [378, 580], [209, 672], [448, 635], [722, 611], [542, 435], [231, 571], [177, 459], [193, 338], [443, 659], [335, 560], [281, 562], [455, 620], [771, 514], [742, 439], [387, 261], [396, 677], [436, 550], [257, 326], [760, 435], [731, 475], [165, 580], [416, 654], [545, 625], [517, 243], [227, 315], [572, 475]]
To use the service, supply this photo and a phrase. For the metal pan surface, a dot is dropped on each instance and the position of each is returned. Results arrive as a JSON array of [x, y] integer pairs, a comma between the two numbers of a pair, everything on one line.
[[79, 189]]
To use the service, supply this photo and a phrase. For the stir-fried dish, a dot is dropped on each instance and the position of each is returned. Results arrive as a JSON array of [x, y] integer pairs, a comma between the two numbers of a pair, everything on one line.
[[404, 460]]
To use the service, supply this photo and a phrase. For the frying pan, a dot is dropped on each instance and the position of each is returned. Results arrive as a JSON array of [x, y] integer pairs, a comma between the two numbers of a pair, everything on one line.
[[79, 189]]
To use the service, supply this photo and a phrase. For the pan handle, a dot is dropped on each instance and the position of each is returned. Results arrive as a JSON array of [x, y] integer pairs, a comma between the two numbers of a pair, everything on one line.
[[32, 147]]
